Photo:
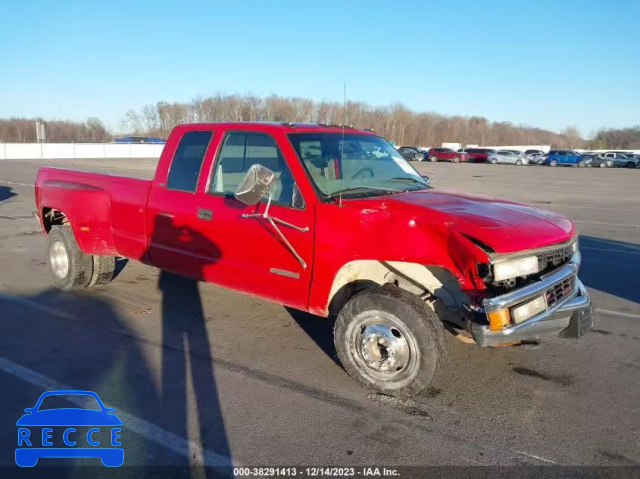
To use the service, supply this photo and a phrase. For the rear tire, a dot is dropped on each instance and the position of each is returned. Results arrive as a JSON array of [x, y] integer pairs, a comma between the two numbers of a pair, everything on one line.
[[581, 164], [390, 341], [631, 165], [69, 268], [104, 270]]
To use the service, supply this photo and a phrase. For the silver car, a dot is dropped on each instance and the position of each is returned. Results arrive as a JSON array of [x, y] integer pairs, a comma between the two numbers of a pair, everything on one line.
[[621, 159], [508, 157]]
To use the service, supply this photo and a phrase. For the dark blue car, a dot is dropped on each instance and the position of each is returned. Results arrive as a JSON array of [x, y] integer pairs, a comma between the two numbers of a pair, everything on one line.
[[36, 433], [139, 139], [565, 158]]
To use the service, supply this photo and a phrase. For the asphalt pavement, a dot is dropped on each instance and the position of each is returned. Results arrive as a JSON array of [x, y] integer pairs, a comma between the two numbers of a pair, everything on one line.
[[249, 383]]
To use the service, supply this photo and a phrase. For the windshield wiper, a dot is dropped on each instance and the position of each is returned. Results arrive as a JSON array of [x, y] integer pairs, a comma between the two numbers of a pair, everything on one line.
[[365, 188], [412, 180], [408, 178]]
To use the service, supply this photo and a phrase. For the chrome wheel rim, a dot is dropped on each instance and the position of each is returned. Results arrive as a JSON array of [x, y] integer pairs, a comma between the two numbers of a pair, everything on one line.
[[59, 259], [383, 349]]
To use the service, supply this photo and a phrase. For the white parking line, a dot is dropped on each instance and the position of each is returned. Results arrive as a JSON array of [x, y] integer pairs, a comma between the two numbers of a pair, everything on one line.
[[537, 457], [625, 225], [14, 183], [608, 250], [189, 449], [610, 263], [619, 313]]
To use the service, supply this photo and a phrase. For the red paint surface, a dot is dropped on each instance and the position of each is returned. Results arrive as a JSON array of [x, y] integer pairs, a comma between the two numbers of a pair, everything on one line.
[[142, 220]]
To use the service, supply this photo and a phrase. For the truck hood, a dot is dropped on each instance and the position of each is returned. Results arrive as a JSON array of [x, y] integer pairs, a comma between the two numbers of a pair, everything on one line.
[[504, 226]]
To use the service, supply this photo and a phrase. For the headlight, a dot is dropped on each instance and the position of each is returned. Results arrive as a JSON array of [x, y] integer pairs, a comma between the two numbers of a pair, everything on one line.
[[574, 246], [515, 268]]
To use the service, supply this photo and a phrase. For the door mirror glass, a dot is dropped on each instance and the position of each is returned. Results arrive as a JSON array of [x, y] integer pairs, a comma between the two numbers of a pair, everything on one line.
[[255, 185], [426, 179]]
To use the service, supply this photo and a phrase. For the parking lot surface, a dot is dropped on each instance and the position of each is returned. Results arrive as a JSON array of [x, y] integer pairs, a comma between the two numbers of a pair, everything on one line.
[[248, 382]]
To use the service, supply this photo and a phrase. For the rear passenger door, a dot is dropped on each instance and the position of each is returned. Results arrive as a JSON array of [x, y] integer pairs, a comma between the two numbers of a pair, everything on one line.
[[175, 242]]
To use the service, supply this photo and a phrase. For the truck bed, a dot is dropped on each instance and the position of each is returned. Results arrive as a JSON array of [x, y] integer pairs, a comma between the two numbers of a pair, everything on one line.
[[107, 212]]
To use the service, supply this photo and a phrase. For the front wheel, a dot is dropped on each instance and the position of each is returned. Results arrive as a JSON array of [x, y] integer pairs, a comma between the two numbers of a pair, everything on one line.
[[581, 164], [456, 159], [553, 163], [433, 159], [631, 164], [390, 341], [494, 161], [519, 162]]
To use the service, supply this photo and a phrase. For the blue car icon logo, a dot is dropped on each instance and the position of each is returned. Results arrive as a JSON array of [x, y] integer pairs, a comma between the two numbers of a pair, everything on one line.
[[69, 432]]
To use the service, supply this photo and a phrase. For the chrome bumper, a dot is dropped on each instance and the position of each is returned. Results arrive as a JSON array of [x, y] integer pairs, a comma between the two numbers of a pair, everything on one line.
[[571, 317]]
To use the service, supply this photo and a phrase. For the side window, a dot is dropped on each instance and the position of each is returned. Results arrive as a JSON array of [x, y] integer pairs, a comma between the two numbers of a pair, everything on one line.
[[240, 151], [186, 163]]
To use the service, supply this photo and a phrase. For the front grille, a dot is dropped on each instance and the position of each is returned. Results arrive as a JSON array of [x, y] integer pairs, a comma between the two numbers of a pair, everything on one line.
[[559, 291], [553, 259]]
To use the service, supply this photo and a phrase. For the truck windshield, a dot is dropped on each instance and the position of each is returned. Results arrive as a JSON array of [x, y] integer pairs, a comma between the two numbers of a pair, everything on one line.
[[354, 165]]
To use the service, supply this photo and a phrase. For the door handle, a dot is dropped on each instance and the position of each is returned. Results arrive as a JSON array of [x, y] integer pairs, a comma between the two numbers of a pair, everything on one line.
[[204, 214]]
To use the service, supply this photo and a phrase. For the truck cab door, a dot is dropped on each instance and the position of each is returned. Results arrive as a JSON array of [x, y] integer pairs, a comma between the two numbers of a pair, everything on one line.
[[175, 241], [253, 257]]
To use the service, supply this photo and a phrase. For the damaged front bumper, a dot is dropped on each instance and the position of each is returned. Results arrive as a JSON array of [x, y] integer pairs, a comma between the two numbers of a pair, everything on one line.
[[568, 313]]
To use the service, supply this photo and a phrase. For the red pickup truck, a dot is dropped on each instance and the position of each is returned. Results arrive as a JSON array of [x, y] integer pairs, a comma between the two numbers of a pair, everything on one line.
[[333, 221]]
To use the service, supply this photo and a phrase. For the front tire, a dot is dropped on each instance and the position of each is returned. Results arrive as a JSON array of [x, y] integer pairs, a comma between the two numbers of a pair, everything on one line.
[[390, 341], [603, 165], [494, 161], [553, 163], [433, 159], [456, 159], [519, 162], [69, 268]]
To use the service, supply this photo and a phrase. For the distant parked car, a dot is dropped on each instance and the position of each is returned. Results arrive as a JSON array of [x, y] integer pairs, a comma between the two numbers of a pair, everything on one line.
[[139, 139], [477, 155], [565, 158], [598, 161], [411, 153], [508, 157], [530, 153], [535, 157], [622, 159], [447, 154]]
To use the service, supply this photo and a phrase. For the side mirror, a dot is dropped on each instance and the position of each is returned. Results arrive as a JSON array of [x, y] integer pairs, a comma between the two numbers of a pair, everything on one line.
[[255, 185], [29, 410], [109, 410], [426, 179]]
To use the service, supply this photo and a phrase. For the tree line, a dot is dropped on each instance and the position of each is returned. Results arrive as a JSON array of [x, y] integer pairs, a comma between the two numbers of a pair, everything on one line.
[[395, 122], [621, 138], [23, 130]]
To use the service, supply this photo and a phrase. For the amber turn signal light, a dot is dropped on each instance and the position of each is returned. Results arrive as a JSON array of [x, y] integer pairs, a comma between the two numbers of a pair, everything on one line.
[[498, 320]]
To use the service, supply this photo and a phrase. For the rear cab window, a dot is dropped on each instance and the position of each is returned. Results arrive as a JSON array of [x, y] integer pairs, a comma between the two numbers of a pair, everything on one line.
[[187, 161]]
